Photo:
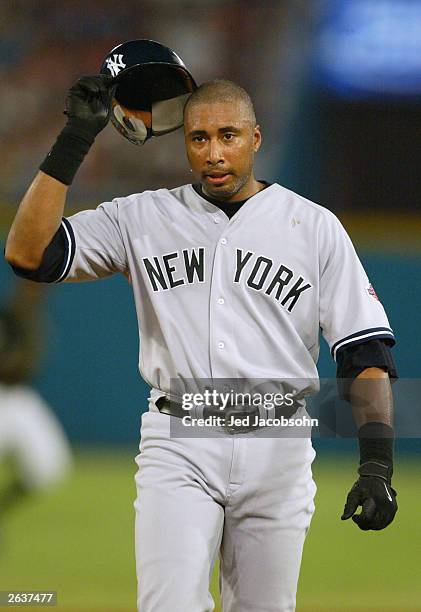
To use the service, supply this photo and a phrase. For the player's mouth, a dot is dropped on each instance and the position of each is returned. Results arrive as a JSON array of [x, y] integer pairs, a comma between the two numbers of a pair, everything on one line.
[[217, 178]]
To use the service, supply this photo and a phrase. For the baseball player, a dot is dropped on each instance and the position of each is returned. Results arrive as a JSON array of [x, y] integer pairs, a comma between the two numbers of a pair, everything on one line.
[[232, 277]]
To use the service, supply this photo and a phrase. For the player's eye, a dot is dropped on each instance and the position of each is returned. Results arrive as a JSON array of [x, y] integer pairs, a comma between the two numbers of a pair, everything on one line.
[[228, 136], [198, 138]]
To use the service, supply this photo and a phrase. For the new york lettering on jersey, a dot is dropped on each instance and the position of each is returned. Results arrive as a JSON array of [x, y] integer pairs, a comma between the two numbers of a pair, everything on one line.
[[174, 269]]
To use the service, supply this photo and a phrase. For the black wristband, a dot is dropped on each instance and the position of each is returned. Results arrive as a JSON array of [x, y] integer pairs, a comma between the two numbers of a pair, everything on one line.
[[68, 152], [376, 442], [377, 469]]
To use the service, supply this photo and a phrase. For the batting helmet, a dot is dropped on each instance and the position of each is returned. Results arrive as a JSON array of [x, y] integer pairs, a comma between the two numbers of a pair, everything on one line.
[[153, 85]]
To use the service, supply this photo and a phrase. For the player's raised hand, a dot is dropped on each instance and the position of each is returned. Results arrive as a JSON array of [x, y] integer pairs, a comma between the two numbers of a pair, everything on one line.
[[88, 107], [378, 500], [88, 102]]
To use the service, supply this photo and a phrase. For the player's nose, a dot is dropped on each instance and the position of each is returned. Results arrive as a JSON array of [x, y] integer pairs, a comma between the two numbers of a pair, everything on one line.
[[215, 152]]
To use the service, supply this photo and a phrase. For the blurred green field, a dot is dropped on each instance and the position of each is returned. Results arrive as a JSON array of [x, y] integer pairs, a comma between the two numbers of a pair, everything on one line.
[[78, 540]]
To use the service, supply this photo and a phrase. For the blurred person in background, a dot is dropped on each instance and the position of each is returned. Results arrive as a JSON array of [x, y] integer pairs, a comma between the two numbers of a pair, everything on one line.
[[34, 450]]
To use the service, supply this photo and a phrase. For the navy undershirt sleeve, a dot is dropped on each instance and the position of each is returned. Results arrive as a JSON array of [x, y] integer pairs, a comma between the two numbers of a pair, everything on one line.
[[352, 360], [57, 258]]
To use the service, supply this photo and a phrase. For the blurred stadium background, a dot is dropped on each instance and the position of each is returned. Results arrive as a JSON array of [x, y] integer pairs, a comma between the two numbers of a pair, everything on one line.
[[337, 87]]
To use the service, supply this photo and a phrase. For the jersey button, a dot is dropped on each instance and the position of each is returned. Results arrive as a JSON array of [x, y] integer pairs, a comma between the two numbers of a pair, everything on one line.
[[221, 345], [221, 301], [216, 220], [224, 241]]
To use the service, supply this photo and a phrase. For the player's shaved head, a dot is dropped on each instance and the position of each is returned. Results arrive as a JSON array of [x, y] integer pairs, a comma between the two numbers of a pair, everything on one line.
[[222, 138], [222, 91]]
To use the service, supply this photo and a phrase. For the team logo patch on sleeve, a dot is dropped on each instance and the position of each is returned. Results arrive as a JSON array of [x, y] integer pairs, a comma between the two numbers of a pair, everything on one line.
[[370, 290]]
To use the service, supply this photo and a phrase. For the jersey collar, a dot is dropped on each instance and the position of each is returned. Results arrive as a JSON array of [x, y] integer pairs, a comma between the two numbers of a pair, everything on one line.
[[229, 208]]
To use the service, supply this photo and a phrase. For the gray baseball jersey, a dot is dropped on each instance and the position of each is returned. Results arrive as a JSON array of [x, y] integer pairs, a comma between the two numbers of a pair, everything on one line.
[[217, 297]]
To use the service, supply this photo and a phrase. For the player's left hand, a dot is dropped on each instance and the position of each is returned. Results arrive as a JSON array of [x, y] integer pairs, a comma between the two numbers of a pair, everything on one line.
[[378, 500], [89, 102]]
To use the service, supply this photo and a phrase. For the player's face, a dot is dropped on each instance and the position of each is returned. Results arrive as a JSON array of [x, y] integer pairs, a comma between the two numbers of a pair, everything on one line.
[[221, 142]]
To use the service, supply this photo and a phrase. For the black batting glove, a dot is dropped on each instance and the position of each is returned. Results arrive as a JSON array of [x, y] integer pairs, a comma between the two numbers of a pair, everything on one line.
[[88, 109], [372, 491], [88, 103]]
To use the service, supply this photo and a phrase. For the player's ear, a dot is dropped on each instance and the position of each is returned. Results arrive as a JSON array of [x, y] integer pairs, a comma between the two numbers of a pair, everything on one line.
[[257, 138]]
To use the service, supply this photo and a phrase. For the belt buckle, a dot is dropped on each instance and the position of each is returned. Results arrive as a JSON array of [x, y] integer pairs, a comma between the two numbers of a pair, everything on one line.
[[241, 414]]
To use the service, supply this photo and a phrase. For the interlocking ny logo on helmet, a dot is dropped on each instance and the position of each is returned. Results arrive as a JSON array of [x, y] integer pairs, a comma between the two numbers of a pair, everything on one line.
[[115, 63], [153, 85]]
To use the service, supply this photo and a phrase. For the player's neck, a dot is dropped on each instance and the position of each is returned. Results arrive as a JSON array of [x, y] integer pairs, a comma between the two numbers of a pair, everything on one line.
[[247, 191]]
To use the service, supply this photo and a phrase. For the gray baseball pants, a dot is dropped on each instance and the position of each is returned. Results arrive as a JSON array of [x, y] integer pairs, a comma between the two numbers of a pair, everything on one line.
[[246, 497]]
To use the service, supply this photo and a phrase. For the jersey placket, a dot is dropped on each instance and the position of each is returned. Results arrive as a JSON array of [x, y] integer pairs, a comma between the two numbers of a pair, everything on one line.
[[221, 337]]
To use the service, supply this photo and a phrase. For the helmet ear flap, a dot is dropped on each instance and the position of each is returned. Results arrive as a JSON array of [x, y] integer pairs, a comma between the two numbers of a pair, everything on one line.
[[131, 125]]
